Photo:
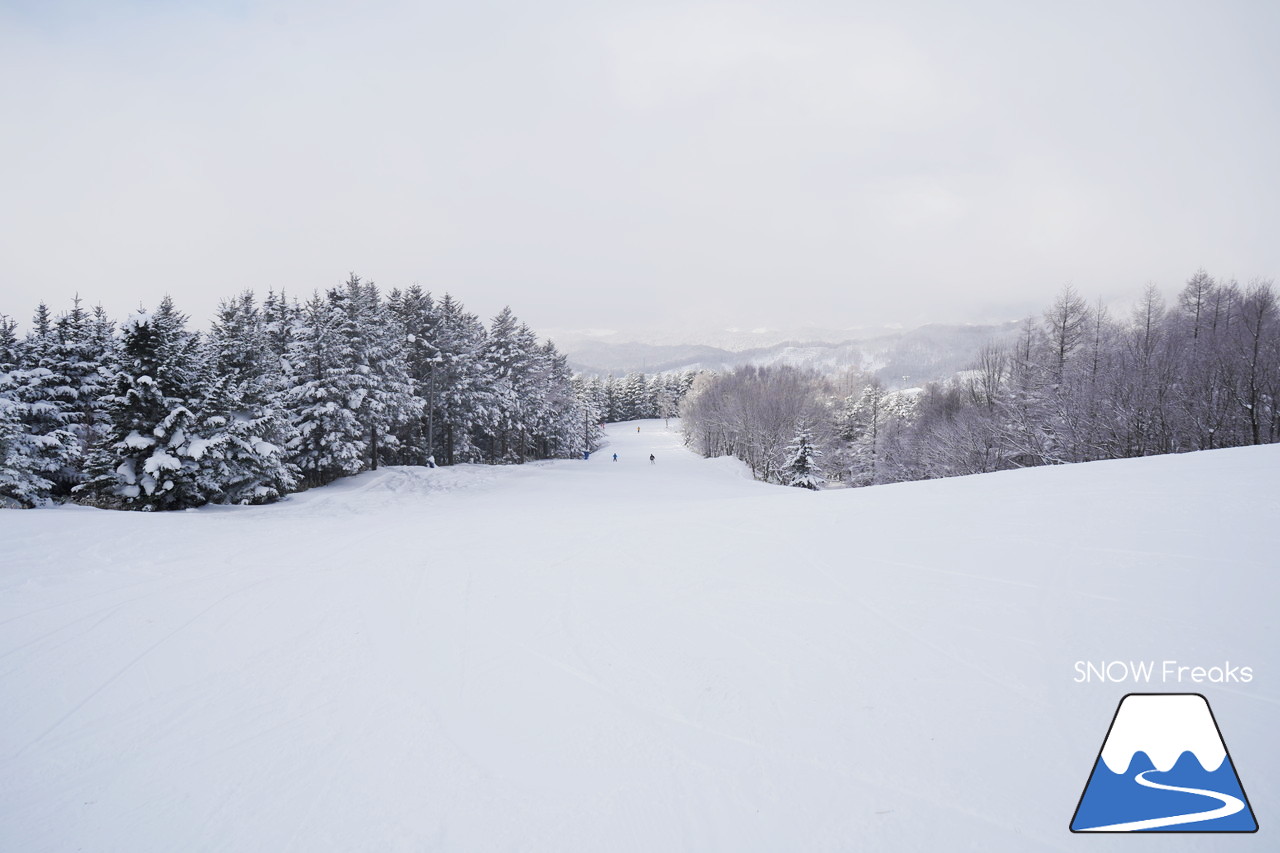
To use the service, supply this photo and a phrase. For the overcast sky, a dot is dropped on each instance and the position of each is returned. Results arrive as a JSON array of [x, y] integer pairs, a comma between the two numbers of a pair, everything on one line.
[[638, 164]]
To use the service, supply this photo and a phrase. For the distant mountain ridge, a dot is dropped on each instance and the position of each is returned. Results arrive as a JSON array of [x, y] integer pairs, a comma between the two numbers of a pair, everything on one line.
[[899, 358]]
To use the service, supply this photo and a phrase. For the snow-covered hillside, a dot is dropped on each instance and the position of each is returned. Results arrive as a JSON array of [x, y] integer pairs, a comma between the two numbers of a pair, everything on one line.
[[893, 356], [624, 656]]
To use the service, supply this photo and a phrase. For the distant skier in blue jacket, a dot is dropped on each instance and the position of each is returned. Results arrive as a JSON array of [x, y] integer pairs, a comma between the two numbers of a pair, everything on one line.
[[615, 457]]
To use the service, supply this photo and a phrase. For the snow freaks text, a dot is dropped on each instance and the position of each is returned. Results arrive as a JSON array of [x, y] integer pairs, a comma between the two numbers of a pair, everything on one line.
[[1164, 672]]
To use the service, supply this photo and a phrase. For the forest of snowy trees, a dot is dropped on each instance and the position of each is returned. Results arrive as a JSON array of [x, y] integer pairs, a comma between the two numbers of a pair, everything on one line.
[[1078, 385], [279, 395], [638, 395], [275, 397]]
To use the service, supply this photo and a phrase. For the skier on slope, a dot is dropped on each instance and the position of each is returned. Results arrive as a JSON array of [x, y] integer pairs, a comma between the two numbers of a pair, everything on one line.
[[651, 459], [615, 457]]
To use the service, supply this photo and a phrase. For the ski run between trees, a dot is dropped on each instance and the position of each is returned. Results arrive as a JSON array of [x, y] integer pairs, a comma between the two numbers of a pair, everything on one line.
[[285, 395], [577, 655]]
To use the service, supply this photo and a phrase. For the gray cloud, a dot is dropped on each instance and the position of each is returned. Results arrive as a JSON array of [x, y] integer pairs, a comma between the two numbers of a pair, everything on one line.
[[751, 164]]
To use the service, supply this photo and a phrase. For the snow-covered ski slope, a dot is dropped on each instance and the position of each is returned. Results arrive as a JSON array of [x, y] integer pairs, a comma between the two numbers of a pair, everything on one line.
[[600, 656]]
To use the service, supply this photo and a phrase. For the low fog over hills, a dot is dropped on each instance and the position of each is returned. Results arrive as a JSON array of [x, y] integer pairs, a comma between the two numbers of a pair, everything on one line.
[[897, 357]]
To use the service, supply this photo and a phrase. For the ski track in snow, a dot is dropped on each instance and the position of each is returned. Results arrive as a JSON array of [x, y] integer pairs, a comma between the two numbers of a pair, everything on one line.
[[1230, 805], [619, 656]]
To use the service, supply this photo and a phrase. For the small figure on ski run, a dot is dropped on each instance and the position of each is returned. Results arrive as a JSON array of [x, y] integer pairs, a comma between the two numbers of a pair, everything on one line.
[[637, 429], [615, 457], [651, 459], [586, 454]]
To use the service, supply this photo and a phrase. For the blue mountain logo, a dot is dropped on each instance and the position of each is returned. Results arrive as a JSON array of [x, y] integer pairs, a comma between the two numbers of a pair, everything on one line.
[[1164, 768]]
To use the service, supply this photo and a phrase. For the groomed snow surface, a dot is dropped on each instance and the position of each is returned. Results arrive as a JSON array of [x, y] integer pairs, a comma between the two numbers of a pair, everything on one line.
[[601, 656]]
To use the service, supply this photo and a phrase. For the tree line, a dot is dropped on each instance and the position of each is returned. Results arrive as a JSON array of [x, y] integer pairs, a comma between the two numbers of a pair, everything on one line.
[[638, 395], [1079, 384], [276, 396]]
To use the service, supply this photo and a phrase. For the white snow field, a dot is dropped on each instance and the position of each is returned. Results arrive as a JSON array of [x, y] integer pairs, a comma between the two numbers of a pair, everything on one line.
[[600, 656]]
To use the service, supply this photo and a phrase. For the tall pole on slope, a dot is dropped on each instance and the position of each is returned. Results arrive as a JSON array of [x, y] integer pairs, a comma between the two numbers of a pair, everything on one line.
[[431, 412]]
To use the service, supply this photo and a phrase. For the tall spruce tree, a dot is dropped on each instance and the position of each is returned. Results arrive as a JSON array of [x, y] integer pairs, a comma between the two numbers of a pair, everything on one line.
[[325, 394], [244, 434], [34, 448], [379, 347], [43, 405], [81, 357], [416, 313], [465, 384], [149, 458], [351, 389], [509, 361]]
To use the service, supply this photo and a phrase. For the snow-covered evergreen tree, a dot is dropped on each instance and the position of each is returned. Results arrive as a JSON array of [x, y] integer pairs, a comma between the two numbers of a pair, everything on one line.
[[34, 448], [8, 343], [24, 458], [43, 403], [638, 395], [561, 411], [417, 315], [325, 395], [149, 457], [81, 356], [860, 427], [509, 362], [635, 398], [280, 319], [802, 468], [666, 398], [612, 400], [464, 384], [591, 408], [350, 387], [40, 338], [243, 433], [379, 346]]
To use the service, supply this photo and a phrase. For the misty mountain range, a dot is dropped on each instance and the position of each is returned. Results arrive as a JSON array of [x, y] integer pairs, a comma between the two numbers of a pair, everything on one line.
[[898, 357]]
